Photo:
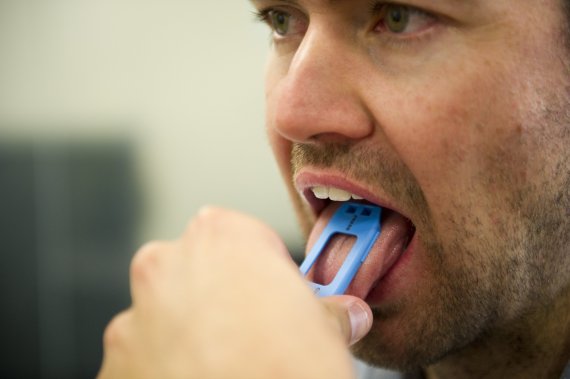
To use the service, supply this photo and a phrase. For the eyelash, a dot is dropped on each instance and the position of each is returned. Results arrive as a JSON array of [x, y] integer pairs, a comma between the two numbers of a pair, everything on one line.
[[377, 8], [403, 41], [262, 15]]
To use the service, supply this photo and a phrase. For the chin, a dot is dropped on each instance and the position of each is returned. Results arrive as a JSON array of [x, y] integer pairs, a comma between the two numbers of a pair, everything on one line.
[[378, 351]]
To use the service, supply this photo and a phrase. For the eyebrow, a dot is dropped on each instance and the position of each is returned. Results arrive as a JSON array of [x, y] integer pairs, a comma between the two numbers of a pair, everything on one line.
[[296, 2], [333, 2]]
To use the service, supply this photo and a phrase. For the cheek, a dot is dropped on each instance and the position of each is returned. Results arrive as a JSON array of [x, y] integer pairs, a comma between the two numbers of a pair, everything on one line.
[[280, 146], [443, 128], [452, 132], [282, 152]]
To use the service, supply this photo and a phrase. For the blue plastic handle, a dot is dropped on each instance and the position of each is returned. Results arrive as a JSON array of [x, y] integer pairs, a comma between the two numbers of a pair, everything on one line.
[[352, 219]]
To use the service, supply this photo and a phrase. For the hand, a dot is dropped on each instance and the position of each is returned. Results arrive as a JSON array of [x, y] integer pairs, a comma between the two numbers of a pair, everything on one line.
[[226, 301]]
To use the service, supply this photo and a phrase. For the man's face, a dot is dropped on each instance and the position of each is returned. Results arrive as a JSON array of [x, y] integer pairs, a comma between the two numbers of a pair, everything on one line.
[[451, 114]]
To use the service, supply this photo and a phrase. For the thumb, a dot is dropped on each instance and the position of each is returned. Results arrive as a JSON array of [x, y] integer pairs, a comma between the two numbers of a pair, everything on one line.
[[351, 314]]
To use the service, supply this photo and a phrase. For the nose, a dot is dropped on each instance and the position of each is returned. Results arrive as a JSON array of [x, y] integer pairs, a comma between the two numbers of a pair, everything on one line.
[[318, 97]]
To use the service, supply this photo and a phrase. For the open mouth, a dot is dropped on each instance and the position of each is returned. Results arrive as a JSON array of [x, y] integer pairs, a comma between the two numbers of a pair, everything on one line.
[[320, 197], [396, 234]]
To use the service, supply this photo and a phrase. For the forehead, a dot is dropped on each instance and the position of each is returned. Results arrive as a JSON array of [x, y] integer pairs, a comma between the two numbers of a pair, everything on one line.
[[351, 8], [334, 3]]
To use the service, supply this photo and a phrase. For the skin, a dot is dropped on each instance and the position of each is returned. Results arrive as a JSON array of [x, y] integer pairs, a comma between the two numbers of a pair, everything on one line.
[[204, 306], [462, 125]]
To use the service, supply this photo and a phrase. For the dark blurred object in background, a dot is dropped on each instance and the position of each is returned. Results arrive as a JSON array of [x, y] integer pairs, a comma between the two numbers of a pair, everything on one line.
[[68, 223]]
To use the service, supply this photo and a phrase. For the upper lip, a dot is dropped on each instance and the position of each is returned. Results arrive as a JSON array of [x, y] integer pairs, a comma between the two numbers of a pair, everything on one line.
[[306, 179]]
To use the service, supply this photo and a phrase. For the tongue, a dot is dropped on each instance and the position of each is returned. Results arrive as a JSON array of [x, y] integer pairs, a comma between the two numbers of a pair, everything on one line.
[[387, 249]]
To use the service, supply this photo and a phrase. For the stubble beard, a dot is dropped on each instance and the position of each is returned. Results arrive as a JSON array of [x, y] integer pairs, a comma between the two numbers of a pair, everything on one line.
[[479, 280]]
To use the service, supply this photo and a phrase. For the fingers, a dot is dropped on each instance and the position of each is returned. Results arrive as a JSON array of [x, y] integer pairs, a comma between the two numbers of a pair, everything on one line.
[[151, 262], [219, 221], [351, 315], [213, 284], [116, 346]]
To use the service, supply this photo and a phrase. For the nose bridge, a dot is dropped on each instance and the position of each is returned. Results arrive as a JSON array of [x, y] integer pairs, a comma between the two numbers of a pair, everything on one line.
[[319, 94], [317, 58]]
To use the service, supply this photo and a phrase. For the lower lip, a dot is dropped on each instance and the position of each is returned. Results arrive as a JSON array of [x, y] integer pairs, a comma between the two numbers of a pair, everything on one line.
[[387, 287]]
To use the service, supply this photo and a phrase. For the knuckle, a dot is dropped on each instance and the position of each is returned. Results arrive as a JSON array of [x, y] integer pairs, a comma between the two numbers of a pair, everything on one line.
[[211, 216], [146, 259], [216, 216], [212, 221], [210, 212], [115, 332], [207, 217]]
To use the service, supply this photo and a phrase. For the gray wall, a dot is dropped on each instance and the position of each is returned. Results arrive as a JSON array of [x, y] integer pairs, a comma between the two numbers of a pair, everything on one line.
[[181, 79]]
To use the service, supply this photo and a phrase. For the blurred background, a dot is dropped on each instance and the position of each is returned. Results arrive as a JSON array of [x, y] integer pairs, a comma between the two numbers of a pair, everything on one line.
[[119, 119]]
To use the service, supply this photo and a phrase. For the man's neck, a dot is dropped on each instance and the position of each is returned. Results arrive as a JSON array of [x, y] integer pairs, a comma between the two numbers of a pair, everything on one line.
[[536, 346]]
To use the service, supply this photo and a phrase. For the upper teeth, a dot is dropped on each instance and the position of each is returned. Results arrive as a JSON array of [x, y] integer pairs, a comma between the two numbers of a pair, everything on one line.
[[333, 194]]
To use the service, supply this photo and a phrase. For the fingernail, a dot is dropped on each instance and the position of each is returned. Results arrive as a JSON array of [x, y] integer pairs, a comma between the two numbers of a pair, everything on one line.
[[360, 321]]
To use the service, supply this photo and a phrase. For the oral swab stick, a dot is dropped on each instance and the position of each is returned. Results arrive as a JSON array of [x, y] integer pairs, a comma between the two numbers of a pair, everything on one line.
[[352, 219]]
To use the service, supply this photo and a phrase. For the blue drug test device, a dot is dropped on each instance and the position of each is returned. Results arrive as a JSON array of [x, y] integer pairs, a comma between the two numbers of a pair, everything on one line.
[[353, 219]]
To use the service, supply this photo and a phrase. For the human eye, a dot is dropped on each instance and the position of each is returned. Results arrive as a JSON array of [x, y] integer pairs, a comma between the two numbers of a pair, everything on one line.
[[284, 23], [402, 21]]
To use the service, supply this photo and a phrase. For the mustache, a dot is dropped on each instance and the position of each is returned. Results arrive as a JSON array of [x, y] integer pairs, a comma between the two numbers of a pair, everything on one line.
[[374, 166]]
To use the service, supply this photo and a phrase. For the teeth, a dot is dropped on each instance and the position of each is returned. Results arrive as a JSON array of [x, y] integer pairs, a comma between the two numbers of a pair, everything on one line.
[[336, 194], [333, 194], [321, 192]]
